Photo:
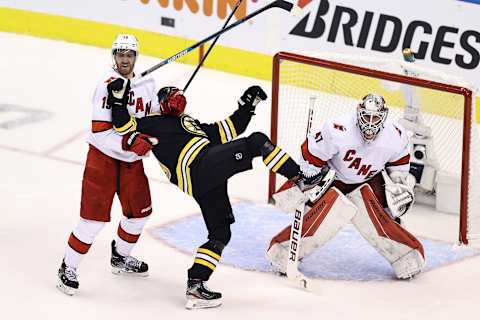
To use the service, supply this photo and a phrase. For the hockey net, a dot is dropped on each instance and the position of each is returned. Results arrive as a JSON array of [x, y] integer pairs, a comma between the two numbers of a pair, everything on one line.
[[437, 109]]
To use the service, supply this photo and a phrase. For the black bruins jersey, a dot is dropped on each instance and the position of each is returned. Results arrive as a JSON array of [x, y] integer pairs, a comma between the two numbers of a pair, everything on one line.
[[183, 140]]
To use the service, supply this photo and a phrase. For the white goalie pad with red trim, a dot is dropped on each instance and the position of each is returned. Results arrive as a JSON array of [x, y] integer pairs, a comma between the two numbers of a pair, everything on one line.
[[320, 224], [289, 196], [400, 248]]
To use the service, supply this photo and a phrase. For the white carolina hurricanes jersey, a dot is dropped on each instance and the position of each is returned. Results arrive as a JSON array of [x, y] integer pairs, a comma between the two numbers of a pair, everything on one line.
[[142, 101], [340, 145]]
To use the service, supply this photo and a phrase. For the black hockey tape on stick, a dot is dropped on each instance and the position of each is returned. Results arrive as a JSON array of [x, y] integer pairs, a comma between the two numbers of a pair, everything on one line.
[[285, 5], [237, 5]]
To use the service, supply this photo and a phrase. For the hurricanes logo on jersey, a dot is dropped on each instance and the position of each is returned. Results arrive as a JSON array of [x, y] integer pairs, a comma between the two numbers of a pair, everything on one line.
[[189, 124]]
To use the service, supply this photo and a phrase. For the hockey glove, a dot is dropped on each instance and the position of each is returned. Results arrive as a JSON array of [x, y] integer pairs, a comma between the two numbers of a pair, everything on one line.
[[251, 97], [399, 199], [118, 91], [139, 143], [172, 101], [399, 192]]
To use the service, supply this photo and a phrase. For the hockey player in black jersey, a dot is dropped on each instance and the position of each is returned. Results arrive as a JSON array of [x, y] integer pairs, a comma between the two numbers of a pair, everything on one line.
[[200, 158]]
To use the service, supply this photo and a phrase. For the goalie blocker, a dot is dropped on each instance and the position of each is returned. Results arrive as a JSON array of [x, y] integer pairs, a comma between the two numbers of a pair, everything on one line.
[[334, 209]]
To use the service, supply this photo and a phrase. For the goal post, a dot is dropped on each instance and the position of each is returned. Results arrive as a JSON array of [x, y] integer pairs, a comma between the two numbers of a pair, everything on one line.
[[448, 175]]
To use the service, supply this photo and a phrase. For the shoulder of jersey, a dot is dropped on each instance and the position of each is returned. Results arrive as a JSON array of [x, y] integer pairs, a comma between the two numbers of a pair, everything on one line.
[[395, 128], [107, 77], [340, 125], [149, 82]]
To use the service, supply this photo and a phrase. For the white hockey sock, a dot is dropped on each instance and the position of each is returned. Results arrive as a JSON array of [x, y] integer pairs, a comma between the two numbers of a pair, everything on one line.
[[129, 231], [80, 241]]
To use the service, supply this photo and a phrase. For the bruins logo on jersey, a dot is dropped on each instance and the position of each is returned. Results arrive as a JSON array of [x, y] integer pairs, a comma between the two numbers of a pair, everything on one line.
[[189, 124]]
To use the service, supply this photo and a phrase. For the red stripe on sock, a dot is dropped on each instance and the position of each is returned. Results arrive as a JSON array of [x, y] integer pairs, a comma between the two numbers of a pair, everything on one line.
[[125, 236], [77, 245]]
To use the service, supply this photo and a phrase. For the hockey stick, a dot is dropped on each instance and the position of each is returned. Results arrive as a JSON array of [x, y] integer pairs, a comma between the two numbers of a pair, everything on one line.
[[296, 229], [237, 5], [282, 4]]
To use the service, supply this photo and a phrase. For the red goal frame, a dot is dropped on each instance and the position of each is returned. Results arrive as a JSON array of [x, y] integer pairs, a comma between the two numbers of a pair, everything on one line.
[[465, 92]]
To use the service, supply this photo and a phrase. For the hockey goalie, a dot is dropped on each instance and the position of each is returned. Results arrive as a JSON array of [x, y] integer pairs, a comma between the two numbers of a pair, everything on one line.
[[372, 189]]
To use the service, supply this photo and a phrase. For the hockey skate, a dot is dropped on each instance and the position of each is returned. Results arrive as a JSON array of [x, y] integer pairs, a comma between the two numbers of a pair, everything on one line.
[[199, 296], [127, 265], [67, 279]]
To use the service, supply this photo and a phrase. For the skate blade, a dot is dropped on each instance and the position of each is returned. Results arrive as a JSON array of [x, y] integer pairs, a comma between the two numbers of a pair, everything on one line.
[[193, 303], [121, 272], [66, 290]]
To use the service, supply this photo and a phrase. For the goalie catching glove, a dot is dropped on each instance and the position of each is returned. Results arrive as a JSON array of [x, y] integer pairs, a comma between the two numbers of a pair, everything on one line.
[[399, 192], [139, 143]]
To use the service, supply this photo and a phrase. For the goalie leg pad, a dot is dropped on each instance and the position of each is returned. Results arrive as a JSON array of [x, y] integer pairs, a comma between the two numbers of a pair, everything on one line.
[[400, 248], [320, 224], [289, 196]]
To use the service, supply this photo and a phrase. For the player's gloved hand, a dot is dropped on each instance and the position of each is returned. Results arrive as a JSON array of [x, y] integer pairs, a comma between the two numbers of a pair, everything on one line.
[[172, 101], [139, 143], [118, 91], [251, 97]]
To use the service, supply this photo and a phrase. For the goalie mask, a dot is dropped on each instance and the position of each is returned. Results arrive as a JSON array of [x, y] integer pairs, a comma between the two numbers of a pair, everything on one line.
[[124, 43], [371, 115]]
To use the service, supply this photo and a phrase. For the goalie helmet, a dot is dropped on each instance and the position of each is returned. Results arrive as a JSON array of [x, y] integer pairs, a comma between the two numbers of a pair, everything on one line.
[[371, 115]]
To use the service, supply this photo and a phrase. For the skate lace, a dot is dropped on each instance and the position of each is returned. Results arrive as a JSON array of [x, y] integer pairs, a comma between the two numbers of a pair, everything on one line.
[[132, 262], [70, 274]]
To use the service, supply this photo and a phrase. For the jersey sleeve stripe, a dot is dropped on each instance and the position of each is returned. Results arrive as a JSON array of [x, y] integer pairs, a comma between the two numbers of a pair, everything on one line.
[[223, 138], [228, 133], [131, 125], [100, 126], [310, 157], [232, 127], [400, 162]]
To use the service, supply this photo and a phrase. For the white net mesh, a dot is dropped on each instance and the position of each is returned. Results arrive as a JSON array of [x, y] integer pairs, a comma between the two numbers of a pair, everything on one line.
[[338, 92]]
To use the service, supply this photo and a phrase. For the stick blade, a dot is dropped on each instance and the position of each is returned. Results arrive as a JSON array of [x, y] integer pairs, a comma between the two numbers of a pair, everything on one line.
[[284, 5]]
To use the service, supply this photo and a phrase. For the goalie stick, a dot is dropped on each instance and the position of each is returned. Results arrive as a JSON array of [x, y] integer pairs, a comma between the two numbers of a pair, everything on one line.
[[282, 4], [296, 229]]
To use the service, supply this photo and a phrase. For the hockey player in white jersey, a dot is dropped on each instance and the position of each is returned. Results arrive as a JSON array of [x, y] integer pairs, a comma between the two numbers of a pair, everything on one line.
[[373, 186], [111, 170]]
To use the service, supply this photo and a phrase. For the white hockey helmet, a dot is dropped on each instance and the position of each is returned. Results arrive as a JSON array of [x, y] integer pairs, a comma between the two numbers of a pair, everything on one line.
[[371, 115], [125, 42]]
